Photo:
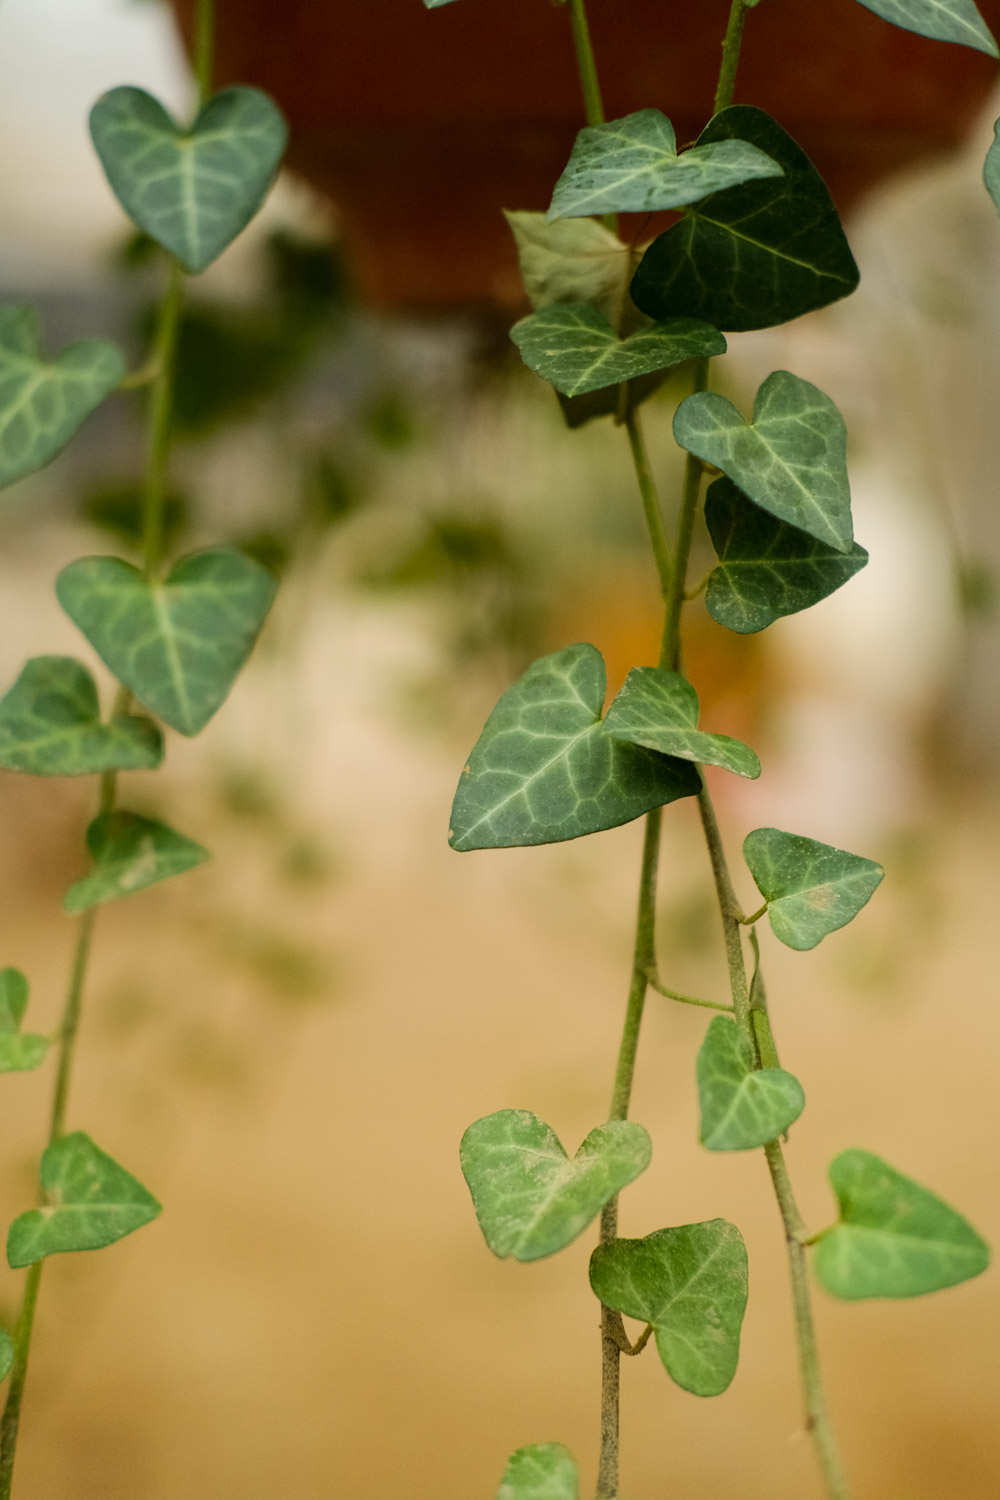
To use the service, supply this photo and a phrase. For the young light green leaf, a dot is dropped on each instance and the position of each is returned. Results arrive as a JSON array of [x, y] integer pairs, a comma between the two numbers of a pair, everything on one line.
[[659, 709], [42, 403], [691, 1284], [741, 1106], [894, 1238], [991, 167], [791, 460], [766, 567], [632, 166], [542, 1471], [576, 348], [50, 725], [18, 1053], [177, 643], [545, 769], [190, 190], [943, 20], [755, 255], [576, 261], [811, 888], [90, 1202], [130, 853], [6, 1353], [530, 1198]]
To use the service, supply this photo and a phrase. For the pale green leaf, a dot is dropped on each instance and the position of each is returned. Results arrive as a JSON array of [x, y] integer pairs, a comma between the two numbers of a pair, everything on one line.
[[545, 769], [991, 167], [943, 20], [6, 1353], [90, 1201], [530, 1198], [741, 1106], [791, 460], [542, 1471], [576, 349], [766, 567], [177, 643], [575, 261], [659, 709], [690, 1283], [129, 854], [811, 888], [894, 1238], [42, 403], [50, 725], [632, 166], [19, 1052], [190, 190]]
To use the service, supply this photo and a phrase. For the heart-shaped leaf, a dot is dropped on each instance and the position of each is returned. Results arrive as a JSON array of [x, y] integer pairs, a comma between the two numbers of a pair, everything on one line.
[[90, 1202], [577, 349], [741, 1106], [542, 1471], [791, 460], [750, 256], [944, 20], [894, 1238], [50, 725], [176, 643], [811, 888], [991, 167], [766, 567], [19, 1053], [632, 166], [190, 190], [659, 709], [691, 1284], [545, 769], [43, 403], [531, 1199], [130, 853]]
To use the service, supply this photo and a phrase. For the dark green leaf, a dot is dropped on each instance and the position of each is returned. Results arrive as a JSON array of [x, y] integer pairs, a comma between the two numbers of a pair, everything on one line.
[[631, 166], [50, 725], [18, 1053], [766, 567], [811, 888], [90, 1201], [894, 1238], [741, 1106], [530, 1198], [576, 348], [545, 769], [659, 709], [43, 403], [176, 643], [943, 20], [791, 460], [130, 853], [750, 256], [991, 167], [691, 1284], [191, 190], [542, 1471]]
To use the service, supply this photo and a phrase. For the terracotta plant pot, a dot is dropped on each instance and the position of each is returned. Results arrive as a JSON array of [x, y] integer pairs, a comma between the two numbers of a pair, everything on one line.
[[422, 124]]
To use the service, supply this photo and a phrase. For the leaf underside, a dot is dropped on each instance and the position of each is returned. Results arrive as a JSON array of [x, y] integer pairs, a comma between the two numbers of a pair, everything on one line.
[[741, 1106], [541, 1471], [50, 725], [811, 888]]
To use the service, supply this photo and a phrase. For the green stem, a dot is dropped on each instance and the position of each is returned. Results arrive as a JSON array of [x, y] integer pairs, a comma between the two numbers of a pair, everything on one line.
[[670, 646], [656, 983], [70, 1024], [18, 1374], [586, 64], [204, 37], [160, 400], [643, 958], [726, 87], [650, 501]]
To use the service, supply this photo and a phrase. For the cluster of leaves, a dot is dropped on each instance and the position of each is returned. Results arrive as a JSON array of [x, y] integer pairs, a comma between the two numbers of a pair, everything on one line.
[[759, 242]]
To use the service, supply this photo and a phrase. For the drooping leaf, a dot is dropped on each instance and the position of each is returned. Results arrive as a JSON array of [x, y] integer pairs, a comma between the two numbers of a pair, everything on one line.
[[90, 1202], [741, 1106], [545, 768], [659, 709], [811, 888], [791, 459], [531, 1199], [42, 403], [19, 1053], [190, 190], [755, 255], [176, 643], [991, 167], [130, 853], [575, 261], [575, 348], [632, 166], [6, 1353], [894, 1238], [943, 20], [766, 567], [542, 1471], [691, 1284], [50, 725]]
